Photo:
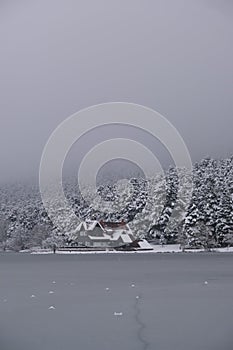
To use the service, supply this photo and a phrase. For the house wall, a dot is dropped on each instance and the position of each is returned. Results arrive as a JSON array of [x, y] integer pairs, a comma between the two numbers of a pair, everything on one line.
[[81, 238], [97, 231], [100, 244]]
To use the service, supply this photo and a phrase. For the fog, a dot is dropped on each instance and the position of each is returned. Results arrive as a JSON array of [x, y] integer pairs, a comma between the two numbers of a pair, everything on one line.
[[58, 57]]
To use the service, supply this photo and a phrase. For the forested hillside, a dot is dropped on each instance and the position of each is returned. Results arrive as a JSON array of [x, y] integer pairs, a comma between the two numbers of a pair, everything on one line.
[[153, 208]]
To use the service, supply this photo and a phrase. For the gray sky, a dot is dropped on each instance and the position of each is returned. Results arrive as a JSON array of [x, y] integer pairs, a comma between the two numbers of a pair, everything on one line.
[[60, 56]]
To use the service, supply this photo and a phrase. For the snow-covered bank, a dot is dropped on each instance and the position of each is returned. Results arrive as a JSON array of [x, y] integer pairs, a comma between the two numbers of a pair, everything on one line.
[[170, 248]]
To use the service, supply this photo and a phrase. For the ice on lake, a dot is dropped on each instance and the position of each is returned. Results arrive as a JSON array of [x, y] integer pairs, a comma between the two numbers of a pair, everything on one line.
[[168, 308]]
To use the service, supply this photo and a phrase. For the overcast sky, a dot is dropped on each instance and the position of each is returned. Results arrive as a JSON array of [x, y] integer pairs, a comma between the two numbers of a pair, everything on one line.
[[175, 56]]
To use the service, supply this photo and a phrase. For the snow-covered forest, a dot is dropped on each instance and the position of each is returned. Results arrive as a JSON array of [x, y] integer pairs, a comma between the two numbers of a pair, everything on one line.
[[152, 207]]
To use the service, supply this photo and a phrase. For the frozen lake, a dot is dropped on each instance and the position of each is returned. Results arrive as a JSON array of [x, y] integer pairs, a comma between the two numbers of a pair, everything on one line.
[[116, 301]]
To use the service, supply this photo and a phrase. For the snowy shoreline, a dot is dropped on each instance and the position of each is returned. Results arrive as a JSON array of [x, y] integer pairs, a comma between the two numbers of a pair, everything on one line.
[[173, 248], [165, 249]]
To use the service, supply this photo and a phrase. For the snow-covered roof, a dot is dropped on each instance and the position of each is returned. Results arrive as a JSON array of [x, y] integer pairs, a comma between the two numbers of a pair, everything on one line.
[[143, 244], [86, 225], [99, 238], [104, 225], [126, 238], [110, 231], [116, 235], [113, 226]]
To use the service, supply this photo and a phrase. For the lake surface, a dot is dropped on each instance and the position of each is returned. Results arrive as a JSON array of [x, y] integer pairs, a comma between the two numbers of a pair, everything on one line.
[[116, 301]]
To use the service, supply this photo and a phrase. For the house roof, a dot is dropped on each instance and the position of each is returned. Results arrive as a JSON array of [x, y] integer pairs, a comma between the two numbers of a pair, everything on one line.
[[104, 225], [110, 225], [99, 238], [126, 238], [110, 231], [86, 225]]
